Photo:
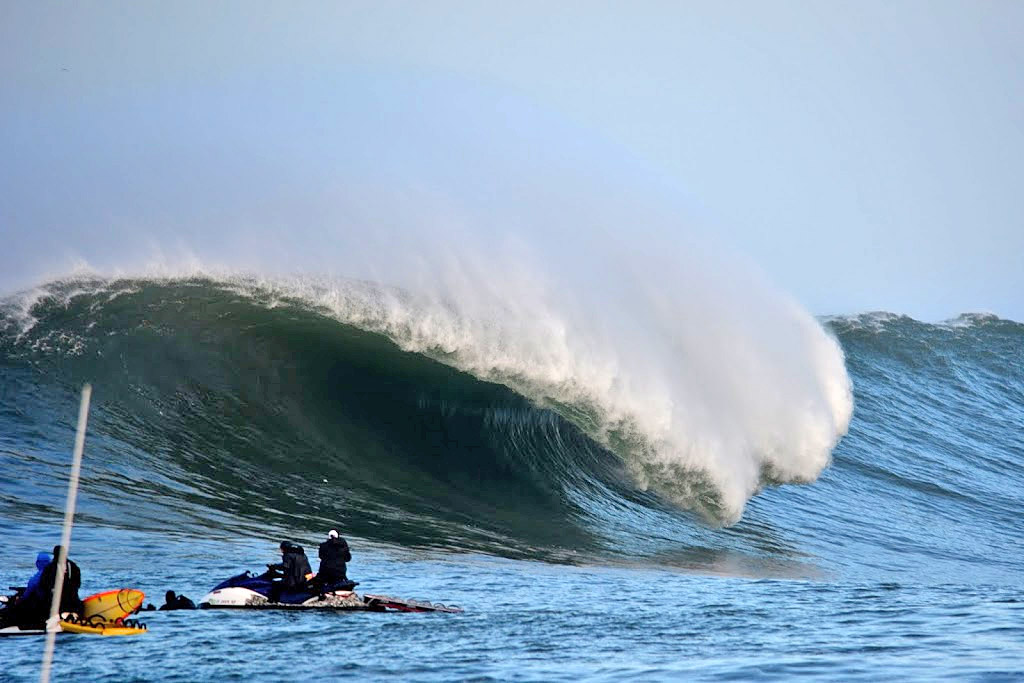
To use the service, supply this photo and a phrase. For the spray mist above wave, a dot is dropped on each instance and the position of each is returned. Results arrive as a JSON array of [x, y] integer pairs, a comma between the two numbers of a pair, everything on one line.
[[507, 242]]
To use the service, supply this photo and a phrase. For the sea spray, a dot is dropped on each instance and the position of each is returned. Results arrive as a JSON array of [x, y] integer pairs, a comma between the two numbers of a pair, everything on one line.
[[706, 392]]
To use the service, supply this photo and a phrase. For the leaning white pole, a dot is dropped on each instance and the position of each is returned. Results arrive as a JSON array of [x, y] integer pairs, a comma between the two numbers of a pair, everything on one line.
[[53, 623]]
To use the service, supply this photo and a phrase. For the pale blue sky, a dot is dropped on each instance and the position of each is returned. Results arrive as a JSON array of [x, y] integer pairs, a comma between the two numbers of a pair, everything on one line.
[[865, 155]]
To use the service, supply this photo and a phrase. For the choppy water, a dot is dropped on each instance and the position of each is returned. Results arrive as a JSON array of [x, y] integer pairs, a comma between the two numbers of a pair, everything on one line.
[[582, 542]]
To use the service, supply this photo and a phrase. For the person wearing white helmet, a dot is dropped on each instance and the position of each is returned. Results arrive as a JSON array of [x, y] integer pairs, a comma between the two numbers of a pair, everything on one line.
[[334, 553]]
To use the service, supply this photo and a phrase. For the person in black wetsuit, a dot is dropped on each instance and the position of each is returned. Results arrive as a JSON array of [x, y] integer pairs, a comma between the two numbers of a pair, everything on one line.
[[172, 602], [293, 569], [69, 600], [334, 553]]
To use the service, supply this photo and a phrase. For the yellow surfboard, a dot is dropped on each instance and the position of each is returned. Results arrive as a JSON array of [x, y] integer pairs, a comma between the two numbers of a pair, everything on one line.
[[102, 629], [112, 605]]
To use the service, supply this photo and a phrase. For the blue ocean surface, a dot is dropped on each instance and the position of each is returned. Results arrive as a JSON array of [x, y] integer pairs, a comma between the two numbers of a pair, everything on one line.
[[228, 416]]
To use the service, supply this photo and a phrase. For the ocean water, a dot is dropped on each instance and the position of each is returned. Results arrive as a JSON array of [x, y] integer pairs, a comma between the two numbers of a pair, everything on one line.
[[760, 498]]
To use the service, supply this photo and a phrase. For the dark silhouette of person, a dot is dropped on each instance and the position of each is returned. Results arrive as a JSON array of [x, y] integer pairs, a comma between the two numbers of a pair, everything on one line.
[[293, 569], [69, 600], [334, 553], [173, 602]]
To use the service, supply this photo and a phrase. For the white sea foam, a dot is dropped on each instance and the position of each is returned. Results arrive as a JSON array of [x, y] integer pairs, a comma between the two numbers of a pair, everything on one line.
[[706, 394]]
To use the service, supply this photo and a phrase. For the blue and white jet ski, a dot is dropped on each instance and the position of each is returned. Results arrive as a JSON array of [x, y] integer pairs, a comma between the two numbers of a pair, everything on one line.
[[252, 591]]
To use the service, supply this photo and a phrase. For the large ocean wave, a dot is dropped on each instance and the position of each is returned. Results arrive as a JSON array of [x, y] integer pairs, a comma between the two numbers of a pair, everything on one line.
[[242, 405], [401, 396]]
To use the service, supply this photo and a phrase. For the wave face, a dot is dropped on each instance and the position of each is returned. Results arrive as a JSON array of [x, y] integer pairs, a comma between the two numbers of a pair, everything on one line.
[[235, 404], [232, 405], [404, 417]]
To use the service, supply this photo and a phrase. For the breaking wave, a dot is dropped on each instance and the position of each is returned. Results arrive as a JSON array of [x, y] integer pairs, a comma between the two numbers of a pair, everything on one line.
[[362, 397]]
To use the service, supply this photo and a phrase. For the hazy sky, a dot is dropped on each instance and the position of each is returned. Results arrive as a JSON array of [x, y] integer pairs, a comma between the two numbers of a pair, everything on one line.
[[865, 155]]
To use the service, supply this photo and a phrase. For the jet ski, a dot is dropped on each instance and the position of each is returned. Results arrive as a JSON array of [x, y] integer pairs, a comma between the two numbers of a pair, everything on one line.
[[102, 614], [10, 629], [252, 591], [6, 600], [7, 631]]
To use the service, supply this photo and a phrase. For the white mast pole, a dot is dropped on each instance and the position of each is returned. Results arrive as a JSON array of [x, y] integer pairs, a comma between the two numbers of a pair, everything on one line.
[[53, 623]]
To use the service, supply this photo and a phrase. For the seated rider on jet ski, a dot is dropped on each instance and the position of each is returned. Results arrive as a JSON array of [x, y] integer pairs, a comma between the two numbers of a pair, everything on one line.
[[28, 606], [293, 570], [33, 607], [334, 553]]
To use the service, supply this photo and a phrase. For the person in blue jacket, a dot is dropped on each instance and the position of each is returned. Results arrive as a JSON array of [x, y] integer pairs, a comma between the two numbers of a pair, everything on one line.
[[31, 607], [42, 559]]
